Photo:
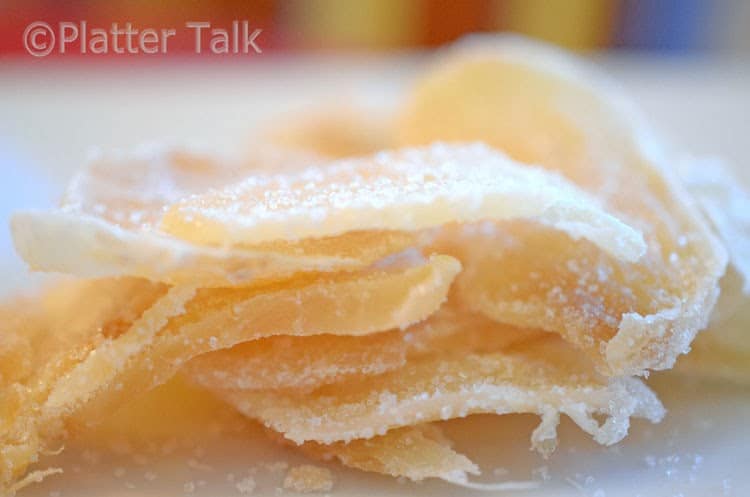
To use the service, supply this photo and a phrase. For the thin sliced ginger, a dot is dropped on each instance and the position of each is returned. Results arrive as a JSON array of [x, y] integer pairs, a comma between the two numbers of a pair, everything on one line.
[[107, 225], [47, 337], [414, 452], [723, 350], [151, 352], [295, 363], [542, 107], [334, 131], [498, 369], [408, 190], [451, 348], [186, 411], [94, 371]]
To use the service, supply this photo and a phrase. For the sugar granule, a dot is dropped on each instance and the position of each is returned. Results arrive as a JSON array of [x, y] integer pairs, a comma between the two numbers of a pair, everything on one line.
[[246, 485], [307, 478]]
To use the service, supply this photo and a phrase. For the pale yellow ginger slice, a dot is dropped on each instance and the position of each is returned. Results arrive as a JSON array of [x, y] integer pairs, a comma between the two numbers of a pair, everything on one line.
[[542, 107], [43, 336], [264, 157], [42, 340], [723, 350], [725, 200], [103, 365], [191, 413], [89, 318], [415, 452], [107, 225], [454, 330], [339, 304], [543, 376], [527, 275], [310, 362], [336, 131], [407, 190], [298, 362], [186, 413], [715, 361], [134, 335]]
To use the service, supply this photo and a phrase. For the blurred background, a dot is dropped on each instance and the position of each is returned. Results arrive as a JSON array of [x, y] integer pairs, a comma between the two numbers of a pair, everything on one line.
[[294, 25], [687, 62]]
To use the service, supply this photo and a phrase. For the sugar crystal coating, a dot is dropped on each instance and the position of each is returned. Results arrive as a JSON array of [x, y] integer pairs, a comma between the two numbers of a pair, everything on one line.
[[135, 335], [543, 107], [107, 225], [414, 452], [534, 373], [297, 362], [407, 190], [345, 304], [308, 478]]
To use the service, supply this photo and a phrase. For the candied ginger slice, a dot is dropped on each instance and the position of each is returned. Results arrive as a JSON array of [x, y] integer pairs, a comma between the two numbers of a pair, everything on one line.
[[708, 359], [186, 412], [726, 202], [414, 452], [547, 281], [129, 335], [43, 338], [454, 330], [108, 222], [298, 362], [407, 190], [340, 304], [104, 363], [56, 330], [313, 361], [544, 108], [723, 350], [262, 157], [543, 376], [333, 132]]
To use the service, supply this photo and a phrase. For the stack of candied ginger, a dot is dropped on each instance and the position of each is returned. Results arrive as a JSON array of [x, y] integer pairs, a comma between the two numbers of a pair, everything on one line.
[[520, 247]]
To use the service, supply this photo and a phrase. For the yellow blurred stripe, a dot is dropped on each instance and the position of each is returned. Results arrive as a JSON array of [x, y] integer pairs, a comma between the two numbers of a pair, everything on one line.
[[360, 24], [575, 24]]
